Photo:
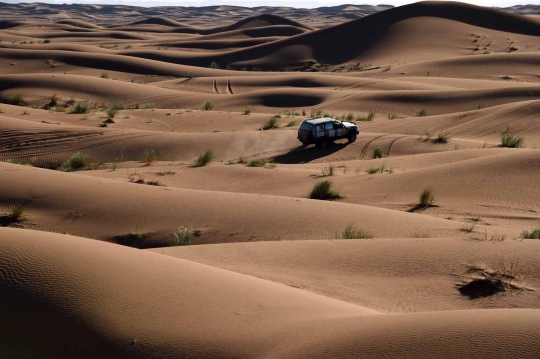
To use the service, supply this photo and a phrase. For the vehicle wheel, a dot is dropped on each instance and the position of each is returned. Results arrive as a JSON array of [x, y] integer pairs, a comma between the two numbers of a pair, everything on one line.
[[321, 144], [352, 137]]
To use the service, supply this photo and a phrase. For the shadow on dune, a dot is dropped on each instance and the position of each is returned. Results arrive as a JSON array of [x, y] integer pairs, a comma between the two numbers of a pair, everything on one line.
[[308, 154]]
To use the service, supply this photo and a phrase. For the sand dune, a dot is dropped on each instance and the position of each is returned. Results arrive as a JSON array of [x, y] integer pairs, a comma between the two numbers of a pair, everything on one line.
[[429, 250]]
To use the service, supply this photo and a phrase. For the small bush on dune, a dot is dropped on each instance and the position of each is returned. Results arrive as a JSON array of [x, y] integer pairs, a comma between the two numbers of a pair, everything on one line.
[[104, 75], [315, 112], [182, 237], [77, 161], [422, 113], [442, 137], [531, 234], [204, 159], [247, 110], [214, 65], [111, 111], [324, 191], [378, 152], [207, 106], [350, 233], [256, 163], [81, 108], [17, 213], [391, 116], [272, 122], [368, 118], [46, 41], [427, 197], [54, 101], [150, 156], [292, 123], [511, 141], [349, 117], [18, 100]]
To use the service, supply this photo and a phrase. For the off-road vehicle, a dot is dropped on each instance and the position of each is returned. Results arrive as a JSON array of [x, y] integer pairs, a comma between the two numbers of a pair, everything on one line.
[[325, 130]]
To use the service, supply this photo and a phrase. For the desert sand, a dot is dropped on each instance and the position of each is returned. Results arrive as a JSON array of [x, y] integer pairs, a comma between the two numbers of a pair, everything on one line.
[[115, 244]]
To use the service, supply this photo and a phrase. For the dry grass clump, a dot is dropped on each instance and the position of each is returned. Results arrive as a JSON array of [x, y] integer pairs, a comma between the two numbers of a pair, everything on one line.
[[17, 213], [531, 234], [112, 111], [328, 171], [426, 198], [422, 113], [75, 162], [271, 123], [350, 233], [510, 140], [247, 110], [315, 112], [368, 118], [292, 123], [81, 108], [204, 159], [182, 237], [150, 156], [256, 163], [442, 137], [324, 191], [504, 275], [382, 169], [207, 105], [18, 100], [378, 152]]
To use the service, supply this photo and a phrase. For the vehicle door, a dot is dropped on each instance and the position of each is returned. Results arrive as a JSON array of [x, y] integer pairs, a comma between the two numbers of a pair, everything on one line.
[[319, 131], [329, 130], [339, 129]]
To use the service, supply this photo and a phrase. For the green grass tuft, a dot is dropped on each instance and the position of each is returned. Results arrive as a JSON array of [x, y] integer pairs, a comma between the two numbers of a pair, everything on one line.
[[378, 152], [531, 234], [75, 162], [207, 105], [81, 107], [182, 237], [247, 110], [511, 141], [442, 137], [422, 113], [272, 122], [256, 163], [324, 191], [204, 159], [328, 171], [350, 233], [18, 100], [427, 197]]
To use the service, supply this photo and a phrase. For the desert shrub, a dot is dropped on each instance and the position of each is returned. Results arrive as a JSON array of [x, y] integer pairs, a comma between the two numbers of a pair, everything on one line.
[[76, 161], [190, 75], [328, 171], [350, 233], [349, 117], [207, 105], [204, 159], [111, 111], [272, 122], [426, 197], [46, 41], [422, 113], [247, 110], [17, 213], [391, 116], [292, 123], [303, 112], [149, 106], [18, 100], [81, 107], [315, 112], [128, 46], [182, 237], [442, 137], [531, 234], [214, 65], [104, 75], [324, 191], [150, 155], [369, 117], [378, 152], [510, 140], [54, 101], [257, 163]]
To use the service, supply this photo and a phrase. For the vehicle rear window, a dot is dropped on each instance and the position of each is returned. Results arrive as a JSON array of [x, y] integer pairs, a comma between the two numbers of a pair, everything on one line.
[[306, 126]]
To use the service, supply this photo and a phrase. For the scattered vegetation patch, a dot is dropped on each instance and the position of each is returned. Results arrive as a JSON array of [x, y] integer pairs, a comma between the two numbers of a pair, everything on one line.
[[510, 140], [81, 107], [256, 163], [18, 100], [54, 101], [214, 65], [531, 234], [113, 110], [271, 123], [75, 162], [350, 233], [505, 275], [328, 171], [204, 159], [46, 41], [150, 155], [315, 112], [324, 190], [247, 110], [381, 169], [104, 75], [292, 123], [182, 237], [369, 117]]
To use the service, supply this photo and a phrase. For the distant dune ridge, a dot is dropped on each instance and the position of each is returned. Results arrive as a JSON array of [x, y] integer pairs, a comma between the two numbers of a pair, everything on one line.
[[155, 201]]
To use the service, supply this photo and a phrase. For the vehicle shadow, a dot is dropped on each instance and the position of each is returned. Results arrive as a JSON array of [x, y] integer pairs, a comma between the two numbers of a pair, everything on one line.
[[307, 154]]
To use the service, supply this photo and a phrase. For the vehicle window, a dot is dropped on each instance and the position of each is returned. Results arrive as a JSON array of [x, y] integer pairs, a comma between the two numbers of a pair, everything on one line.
[[337, 125], [319, 128], [306, 126], [329, 126]]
